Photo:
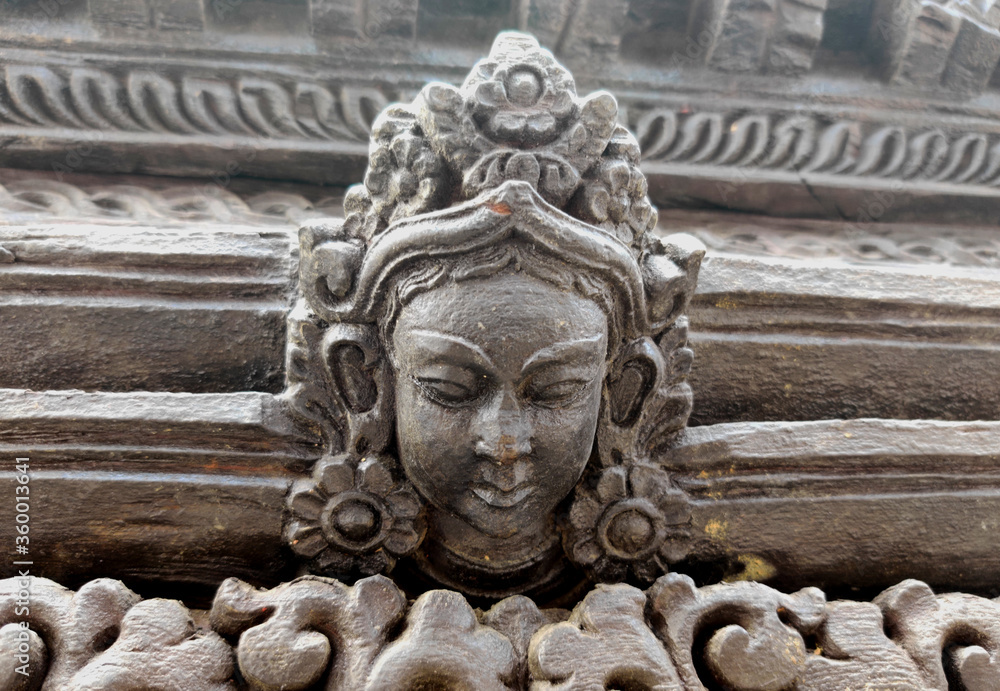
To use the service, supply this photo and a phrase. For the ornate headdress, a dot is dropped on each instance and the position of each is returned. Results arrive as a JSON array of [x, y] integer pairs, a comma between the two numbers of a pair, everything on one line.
[[512, 161]]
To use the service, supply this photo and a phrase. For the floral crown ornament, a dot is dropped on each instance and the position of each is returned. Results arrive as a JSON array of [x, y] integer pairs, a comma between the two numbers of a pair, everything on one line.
[[512, 166], [516, 117]]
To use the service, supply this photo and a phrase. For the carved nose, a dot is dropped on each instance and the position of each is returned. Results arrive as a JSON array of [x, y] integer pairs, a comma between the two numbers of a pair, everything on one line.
[[504, 435], [505, 448]]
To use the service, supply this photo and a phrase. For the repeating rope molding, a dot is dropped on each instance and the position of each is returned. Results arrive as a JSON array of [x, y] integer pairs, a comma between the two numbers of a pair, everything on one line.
[[31, 199], [146, 101], [38, 198], [269, 111], [813, 144], [317, 633]]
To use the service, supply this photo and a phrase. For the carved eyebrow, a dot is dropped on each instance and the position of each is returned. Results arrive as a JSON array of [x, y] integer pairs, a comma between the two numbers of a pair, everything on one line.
[[440, 348], [561, 349]]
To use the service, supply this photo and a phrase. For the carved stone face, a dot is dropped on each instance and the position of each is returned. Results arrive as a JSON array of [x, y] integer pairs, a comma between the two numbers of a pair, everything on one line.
[[499, 385]]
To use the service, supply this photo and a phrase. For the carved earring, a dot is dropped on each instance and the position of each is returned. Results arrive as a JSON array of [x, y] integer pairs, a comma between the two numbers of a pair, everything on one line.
[[355, 515], [628, 521], [358, 513], [627, 518]]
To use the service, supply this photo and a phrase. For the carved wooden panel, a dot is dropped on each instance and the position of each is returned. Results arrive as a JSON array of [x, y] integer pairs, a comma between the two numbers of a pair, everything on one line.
[[773, 500], [474, 370], [318, 633]]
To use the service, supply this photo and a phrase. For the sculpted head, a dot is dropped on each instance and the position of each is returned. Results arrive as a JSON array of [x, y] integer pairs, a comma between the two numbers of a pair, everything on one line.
[[493, 334], [498, 391]]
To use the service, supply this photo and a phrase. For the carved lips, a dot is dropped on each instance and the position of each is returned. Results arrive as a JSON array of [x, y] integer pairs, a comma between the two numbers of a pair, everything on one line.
[[498, 498], [504, 486]]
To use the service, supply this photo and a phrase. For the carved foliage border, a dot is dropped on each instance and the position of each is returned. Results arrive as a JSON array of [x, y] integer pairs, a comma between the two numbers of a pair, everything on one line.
[[318, 633]]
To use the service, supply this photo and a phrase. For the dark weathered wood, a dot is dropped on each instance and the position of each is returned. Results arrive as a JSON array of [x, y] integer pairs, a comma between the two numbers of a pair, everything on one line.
[[186, 309], [712, 89], [196, 307], [114, 475], [319, 633], [844, 341], [165, 528], [834, 502], [847, 503], [245, 432], [483, 349]]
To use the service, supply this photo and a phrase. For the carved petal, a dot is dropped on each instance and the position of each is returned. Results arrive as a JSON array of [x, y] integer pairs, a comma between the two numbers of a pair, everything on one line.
[[401, 542], [336, 476], [374, 477], [584, 512], [541, 123], [649, 481], [613, 485], [305, 539], [508, 124], [305, 502], [333, 561], [404, 504], [442, 97], [586, 552], [491, 94]]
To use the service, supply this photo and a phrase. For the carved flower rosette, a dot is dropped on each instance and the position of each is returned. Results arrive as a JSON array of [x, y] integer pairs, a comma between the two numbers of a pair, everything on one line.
[[631, 524], [353, 516]]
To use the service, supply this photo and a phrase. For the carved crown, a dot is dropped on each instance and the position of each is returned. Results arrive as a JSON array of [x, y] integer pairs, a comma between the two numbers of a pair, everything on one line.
[[513, 151]]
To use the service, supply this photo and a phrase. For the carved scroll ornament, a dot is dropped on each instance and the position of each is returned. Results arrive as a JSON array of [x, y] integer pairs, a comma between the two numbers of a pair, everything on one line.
[[494, 345], [317, 633]]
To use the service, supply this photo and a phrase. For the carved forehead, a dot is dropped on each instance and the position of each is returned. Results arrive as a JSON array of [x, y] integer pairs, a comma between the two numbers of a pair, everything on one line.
[[510, 317]]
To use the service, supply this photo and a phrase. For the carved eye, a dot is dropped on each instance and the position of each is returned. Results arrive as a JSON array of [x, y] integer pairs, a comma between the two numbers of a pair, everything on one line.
[[555, 393], [448, 391]]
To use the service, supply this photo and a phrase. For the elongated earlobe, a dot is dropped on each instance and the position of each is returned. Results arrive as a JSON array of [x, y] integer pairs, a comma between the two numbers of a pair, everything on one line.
[[646, 399], [362, 384], [341, 380], [631, 380], [358, 513]]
